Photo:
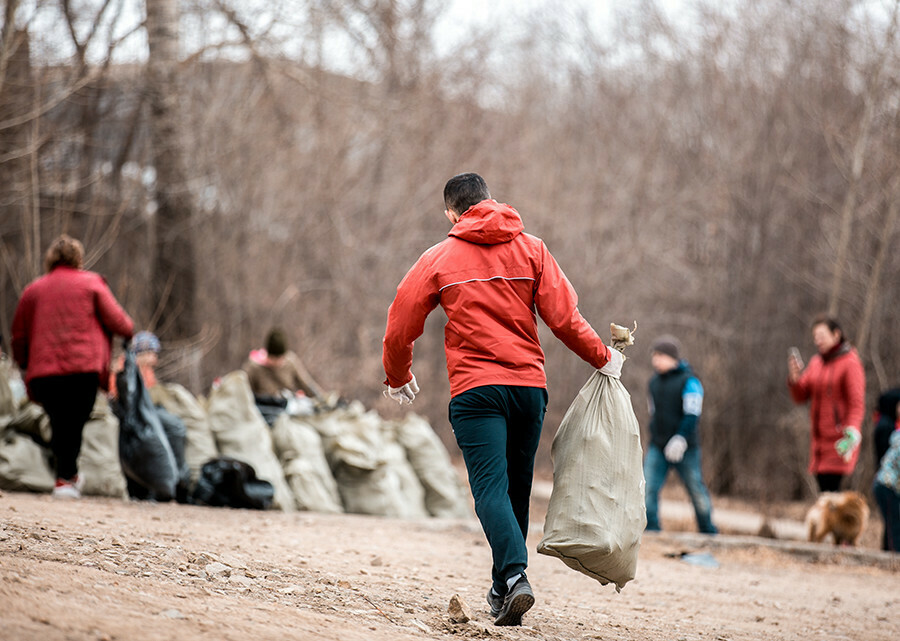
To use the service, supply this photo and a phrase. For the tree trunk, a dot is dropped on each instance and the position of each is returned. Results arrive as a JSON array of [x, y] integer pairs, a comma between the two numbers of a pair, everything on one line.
[[175, 275]]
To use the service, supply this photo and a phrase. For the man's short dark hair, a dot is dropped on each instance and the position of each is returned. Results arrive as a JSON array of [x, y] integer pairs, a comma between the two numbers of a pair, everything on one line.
[[464, 190], [276, 342]]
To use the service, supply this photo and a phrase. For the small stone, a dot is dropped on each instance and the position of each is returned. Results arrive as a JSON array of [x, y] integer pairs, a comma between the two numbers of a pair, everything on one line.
[[424, 628], [172, 614], [215, 569], [459, 610], [377, 561]]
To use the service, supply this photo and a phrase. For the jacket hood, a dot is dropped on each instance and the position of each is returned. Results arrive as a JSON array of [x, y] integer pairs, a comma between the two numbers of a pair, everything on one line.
[[488, 223]]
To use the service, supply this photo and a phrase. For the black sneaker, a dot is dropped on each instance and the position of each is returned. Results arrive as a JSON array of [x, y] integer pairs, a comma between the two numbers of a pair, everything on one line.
[[495, 601], [517, 602]]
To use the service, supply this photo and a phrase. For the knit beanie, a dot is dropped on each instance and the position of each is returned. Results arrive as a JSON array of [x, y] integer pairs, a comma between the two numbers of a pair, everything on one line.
[[667, 345], [145, 342]]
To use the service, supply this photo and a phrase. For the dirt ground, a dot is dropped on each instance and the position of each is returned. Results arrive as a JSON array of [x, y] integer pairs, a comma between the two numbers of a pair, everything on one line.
[[103, 569]]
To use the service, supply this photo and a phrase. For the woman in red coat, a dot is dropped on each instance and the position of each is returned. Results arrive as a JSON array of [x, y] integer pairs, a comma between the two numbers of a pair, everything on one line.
[[835, 384], [61, 338]]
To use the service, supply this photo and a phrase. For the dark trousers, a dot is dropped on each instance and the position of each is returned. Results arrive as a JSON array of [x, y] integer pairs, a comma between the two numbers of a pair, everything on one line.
[[68, 401], [498, 428], [829, 482], [889, 504]]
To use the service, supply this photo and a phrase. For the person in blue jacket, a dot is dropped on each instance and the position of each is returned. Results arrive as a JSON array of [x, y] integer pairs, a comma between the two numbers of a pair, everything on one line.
[[676, 401]]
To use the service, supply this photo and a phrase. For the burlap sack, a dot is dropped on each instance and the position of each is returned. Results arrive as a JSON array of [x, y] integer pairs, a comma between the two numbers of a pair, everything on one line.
[[24, 465], [30, 418], [98, 461], [596, 513], [445, 494], [411, 489], [200, 443], [369, 477], [241, 432], [7, 402], [299, 448]]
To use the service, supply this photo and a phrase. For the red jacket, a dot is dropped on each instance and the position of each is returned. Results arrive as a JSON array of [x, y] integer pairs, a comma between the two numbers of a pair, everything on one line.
[[489, 277], [836, 387], [64, 324]]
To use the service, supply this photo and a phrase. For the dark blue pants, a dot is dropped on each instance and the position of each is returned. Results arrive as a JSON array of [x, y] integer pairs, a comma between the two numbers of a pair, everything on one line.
[[889, 504], [498, 428], [656, 468]]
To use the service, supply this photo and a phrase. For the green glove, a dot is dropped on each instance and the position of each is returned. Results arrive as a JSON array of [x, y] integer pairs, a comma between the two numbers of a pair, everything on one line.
[[847, 445]]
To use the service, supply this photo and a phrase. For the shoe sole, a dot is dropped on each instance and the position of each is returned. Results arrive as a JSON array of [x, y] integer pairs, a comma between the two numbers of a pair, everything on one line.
[[518, 605]]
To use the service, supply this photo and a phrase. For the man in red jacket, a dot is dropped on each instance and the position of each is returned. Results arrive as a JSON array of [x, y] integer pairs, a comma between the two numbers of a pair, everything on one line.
[[61, 339], [835, 384], [492, 279]]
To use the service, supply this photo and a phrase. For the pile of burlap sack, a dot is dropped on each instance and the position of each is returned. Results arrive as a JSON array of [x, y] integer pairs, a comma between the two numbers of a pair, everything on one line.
[[336, 459]]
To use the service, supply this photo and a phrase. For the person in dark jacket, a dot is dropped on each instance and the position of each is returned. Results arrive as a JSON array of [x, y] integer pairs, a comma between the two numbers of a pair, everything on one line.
[[676, 401], [886, 490], [885, 423], [492, 280], [61, 338]]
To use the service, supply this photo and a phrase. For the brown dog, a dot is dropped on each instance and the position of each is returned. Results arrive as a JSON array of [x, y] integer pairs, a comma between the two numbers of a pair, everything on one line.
[[841, 514]]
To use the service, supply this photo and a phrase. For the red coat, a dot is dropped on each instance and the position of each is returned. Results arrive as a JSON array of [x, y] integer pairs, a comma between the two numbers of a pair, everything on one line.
[[490, 278], [836, 387], [64, 324]]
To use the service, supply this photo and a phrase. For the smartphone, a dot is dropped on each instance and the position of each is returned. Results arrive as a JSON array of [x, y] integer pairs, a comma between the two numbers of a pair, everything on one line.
[[794, 353]]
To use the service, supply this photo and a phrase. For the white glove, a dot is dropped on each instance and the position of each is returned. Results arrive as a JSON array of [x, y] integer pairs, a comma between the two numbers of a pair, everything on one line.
[[675, 449], [404, 393], [847, 445], [613, 367]]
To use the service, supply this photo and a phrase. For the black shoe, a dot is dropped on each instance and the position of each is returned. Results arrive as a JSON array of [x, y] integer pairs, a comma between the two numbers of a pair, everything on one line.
[[517, 602], [495, 601]]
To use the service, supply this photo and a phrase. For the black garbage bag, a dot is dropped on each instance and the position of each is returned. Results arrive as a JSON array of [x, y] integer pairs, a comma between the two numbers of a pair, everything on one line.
[[228, 482], [271, 407], [144, 451], [176, 433]]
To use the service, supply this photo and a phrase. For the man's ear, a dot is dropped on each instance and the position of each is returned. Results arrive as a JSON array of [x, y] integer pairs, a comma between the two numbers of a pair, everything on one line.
[[452, 216]]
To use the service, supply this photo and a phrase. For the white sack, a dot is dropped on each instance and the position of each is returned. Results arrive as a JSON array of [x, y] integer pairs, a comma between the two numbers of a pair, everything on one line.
[[98, 461], [299, 447], [372, 477], [445, 494], [596, 513], [24, 465], [199, 442]]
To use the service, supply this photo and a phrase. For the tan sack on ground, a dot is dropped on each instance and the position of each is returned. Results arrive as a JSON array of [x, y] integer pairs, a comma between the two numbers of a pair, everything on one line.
[[299, 448], [445, 495], [31, 419], [596, 513], [24, 465], [367, 476], [98, 461], [410, 486], [199, 443], [7, 402], [241, 432]]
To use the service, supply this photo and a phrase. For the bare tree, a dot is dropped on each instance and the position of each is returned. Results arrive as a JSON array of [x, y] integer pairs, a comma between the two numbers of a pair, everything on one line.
[[175, 270]]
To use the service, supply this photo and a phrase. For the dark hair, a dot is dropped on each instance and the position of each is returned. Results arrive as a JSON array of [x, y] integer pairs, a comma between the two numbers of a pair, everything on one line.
[[276, 342], [64, 250], [464, 190], [829, 322]]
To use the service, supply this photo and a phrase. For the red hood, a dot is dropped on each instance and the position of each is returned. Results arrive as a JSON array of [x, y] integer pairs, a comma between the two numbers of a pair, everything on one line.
[[488, 223]]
